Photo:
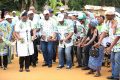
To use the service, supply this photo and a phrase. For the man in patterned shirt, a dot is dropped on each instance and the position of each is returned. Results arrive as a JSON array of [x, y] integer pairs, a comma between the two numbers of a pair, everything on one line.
[[48, 36]]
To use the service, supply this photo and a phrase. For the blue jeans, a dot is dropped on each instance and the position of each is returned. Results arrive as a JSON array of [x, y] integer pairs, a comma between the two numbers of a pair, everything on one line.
[[47, 49], [67, 56], [115, 60]]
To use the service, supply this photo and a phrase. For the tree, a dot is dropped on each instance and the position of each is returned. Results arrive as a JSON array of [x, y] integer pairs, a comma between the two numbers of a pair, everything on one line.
[[75, 4], [54, 4]]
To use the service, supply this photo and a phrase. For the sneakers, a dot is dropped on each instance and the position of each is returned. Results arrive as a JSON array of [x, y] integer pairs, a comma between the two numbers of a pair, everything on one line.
[[68, 67], [60, 67]]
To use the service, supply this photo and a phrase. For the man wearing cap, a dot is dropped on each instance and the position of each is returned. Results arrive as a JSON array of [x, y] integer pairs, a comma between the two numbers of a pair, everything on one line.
[[36, 16], [48, 36], [62, 10], [73, 18], [52, 16], [35, 25], [78, 35], [83, 61], [24, 41], [15, 17], [112, 28], [65, 32]]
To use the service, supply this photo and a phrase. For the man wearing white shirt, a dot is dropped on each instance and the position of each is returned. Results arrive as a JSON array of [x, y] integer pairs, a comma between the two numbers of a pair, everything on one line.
[[48, 34]]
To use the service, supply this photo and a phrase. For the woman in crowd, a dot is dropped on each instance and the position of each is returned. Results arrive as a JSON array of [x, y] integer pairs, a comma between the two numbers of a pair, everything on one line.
[[94, 62]]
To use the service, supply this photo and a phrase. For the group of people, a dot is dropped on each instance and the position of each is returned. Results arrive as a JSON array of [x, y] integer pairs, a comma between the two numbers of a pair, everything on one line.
[[75, 34]]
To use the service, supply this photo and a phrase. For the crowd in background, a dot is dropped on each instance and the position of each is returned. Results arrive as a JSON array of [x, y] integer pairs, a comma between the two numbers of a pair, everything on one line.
[[67, 34]]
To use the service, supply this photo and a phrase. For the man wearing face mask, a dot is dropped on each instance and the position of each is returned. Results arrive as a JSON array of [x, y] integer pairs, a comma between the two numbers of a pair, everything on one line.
[[48, 36]]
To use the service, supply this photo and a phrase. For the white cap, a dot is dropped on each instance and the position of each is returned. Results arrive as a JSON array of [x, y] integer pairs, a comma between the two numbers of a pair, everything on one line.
[[46, 12], [13, 11], [109, 12], [61, 9], [60, 17], [70, 15], [8, 16], [30, 12]]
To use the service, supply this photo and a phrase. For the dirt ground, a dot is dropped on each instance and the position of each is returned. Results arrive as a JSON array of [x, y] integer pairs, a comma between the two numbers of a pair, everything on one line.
[[45, 73]]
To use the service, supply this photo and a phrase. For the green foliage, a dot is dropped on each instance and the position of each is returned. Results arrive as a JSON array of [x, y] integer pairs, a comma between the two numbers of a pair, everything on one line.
[[8, 4], [40, 4], [54, 3], [75, 4]]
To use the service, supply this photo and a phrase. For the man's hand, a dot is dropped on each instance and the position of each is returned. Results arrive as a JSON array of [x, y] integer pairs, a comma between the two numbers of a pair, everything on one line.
[[43, 37], [97, 45], [84, 45], [80, 44], [50, 38], [108, 50]]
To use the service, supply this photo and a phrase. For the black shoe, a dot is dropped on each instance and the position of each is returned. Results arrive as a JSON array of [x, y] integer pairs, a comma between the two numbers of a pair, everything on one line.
[[110, 77], [60, 67], [21, 70], [54, 62], [49, 66], [45, 65], [27, 70], [85, 68], [34, 66], [4, 68], [78, 66], [115, 79]]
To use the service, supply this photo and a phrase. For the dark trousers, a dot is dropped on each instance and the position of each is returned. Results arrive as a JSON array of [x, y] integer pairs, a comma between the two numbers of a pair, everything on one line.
[[74, 53], [86, 55], [34, 57], [4, 61], [80, 56], [24, 61], [55, 45]]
